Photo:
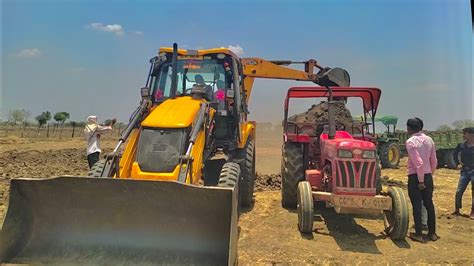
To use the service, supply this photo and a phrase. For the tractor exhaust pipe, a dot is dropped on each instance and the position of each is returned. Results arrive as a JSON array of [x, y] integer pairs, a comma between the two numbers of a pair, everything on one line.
[[331, 115]]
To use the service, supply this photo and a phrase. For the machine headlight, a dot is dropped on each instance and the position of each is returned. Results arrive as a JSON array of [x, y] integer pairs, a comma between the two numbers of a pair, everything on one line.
[[368, 155], [344, 154]]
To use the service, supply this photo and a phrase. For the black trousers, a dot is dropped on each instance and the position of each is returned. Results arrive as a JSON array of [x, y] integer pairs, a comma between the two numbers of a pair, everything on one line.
[[422, 197], [93, 158]]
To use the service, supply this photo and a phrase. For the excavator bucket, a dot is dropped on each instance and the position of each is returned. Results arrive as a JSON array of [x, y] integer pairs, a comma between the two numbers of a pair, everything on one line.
[[81, 220]]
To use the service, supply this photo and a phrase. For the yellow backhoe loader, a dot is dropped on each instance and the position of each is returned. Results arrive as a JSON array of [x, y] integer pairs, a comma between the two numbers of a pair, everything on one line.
[[169, 192]]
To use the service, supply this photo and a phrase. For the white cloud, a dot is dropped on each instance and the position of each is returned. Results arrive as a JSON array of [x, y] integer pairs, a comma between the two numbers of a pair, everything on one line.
[[137, 32], [113, 28], [29, 53], [237, 49]]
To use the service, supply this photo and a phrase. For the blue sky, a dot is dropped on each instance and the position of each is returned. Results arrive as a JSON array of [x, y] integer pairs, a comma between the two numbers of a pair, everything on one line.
[[90, 57]]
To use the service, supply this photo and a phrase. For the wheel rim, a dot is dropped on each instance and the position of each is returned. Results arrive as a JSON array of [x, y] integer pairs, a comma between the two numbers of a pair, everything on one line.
[[393, 154], [298, 208]]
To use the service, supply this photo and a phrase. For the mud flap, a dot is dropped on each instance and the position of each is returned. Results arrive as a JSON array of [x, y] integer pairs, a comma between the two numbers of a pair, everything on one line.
[[109, 221]]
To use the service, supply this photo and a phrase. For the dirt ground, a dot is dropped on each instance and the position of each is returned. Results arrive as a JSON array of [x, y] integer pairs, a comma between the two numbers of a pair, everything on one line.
[[269, 233]]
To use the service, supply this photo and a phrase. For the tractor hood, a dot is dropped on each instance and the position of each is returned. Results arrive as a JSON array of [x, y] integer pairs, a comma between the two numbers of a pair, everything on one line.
[[349, 144], [174, 113]]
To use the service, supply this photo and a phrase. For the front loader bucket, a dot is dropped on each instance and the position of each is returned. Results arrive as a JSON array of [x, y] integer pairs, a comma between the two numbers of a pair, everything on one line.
[[118, 221]]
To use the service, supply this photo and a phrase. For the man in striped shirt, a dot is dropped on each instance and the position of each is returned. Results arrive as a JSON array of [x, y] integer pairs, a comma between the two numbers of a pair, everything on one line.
[[421, 167]]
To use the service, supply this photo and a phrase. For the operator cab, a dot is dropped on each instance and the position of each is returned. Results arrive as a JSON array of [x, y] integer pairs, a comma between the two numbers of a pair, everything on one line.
[[206, 71], [203, 74]]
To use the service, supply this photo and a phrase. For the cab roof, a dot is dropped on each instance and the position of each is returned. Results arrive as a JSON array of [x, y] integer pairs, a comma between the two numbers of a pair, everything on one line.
[[370, 96], [200, 52]]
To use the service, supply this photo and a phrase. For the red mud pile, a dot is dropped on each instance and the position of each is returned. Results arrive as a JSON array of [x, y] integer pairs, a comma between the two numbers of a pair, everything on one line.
[[318, 114]]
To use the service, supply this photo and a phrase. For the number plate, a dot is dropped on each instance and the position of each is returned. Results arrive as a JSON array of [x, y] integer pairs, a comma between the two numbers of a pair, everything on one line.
[[196, 57], [377, 202]]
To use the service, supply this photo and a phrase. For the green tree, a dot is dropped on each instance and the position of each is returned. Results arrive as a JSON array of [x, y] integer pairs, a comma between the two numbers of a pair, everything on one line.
[[460, 124], [18, 116], [61, 117], [468, 123], [43, 118], [444, 128]]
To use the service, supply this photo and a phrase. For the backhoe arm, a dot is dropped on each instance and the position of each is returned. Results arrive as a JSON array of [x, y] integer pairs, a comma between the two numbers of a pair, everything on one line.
[[277, 69], [260, 68]]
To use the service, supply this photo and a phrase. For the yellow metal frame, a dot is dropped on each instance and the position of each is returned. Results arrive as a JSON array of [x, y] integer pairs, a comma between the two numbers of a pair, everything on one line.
[[248, 130], [181, 112], [173, 113]]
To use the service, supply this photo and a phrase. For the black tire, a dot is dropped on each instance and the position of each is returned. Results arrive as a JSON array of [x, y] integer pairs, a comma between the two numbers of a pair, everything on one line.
[[97, 169], [396, 221], [389, 153], [247, 177], [440, 154], [449, 159], [229, 178], [229, 175], [305, 207], [292, 172]]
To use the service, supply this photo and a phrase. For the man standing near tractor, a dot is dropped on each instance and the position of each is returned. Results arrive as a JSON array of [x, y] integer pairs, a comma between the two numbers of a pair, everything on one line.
[[466, 150], [421, 167]]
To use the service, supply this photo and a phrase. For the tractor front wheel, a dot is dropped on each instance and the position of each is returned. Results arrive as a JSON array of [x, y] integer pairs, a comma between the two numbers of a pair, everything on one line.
[[305, 208], [396, 220], [389, 154]]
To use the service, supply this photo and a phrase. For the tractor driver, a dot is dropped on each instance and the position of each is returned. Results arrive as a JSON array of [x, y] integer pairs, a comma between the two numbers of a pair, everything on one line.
[[200, 81]]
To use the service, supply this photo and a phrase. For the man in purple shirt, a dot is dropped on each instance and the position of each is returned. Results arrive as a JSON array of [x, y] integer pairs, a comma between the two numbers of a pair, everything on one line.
[[421, 167]]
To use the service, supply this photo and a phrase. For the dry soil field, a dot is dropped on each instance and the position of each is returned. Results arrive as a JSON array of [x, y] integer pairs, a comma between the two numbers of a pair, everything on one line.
[[269, 233]]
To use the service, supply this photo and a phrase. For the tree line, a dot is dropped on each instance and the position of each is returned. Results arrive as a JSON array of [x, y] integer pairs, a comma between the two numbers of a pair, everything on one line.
[[21, 117], [458, 124]]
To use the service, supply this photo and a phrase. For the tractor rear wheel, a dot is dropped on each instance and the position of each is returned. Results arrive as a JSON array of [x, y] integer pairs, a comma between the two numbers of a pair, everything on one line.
[[440, 154], [305, 208], [247, 179], [389, 154], [449, 159], [97, 169], [396, 220], [292, 172]]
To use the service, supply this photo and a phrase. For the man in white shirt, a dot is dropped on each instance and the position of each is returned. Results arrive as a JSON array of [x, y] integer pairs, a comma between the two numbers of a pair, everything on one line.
[[92, 133]]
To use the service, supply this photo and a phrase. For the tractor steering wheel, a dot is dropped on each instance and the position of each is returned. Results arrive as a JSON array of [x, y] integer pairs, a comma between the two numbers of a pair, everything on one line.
[[340, 126]]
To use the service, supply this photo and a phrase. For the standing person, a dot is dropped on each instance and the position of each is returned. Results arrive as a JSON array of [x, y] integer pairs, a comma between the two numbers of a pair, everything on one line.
[[466, 150], [421, 167], [92, 133]]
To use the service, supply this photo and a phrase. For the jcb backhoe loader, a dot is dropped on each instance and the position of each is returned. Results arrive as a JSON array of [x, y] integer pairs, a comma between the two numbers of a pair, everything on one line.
[[171, 194]]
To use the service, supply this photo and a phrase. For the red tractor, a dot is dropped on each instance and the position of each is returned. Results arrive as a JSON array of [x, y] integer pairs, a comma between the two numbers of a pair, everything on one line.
[[323, 164]]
